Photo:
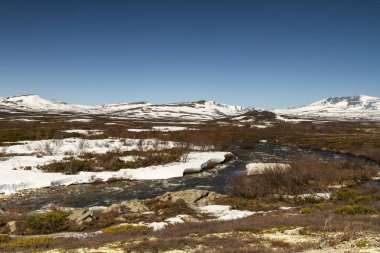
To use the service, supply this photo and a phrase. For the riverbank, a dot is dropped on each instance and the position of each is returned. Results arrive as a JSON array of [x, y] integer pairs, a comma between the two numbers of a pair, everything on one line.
[[201, 220]]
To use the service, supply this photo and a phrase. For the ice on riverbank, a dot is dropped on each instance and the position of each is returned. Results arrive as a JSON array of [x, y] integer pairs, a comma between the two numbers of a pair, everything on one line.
[[13, 178]]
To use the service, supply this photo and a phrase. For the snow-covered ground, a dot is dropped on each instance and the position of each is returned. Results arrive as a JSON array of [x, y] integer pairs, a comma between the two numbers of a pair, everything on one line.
[[169, 128], [78, 146], [281, 118], [86, 120], [261, 126], [84, 132], [223, 212], [24, 120], [138, 130], [18, 166], [129, 158], [220, 212], [160, 129], [169, 221]]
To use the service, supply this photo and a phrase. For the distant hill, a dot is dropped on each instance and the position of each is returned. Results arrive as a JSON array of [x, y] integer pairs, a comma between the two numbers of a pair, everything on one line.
[[342, 108]]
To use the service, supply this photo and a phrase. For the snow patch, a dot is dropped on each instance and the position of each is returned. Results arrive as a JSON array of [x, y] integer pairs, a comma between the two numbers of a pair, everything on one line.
[[169, 128], [80, 120], [84, 132], [224, 212]]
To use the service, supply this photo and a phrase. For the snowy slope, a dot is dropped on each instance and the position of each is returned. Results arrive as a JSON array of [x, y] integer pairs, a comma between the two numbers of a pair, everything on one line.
[[36, 103], [200, 110], [354, 107], [203, 110]]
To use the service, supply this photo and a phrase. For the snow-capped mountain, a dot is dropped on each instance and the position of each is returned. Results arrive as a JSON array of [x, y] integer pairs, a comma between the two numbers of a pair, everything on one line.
[[354, 107], [200, 110], [36, 103]]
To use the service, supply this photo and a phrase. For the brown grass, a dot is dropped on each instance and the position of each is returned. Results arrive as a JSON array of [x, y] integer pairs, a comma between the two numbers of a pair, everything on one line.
[[111, 162], [303, 176]]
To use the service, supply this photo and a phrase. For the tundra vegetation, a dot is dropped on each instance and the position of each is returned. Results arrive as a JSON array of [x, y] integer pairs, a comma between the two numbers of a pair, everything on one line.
[[289, 215]]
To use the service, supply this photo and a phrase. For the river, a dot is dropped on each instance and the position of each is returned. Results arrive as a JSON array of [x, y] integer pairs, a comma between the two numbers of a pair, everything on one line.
[[218, 179]]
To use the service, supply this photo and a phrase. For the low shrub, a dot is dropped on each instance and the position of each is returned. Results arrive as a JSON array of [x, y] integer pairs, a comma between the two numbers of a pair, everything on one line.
[[308, 200], [47, 223], [241, 203], [306, 210], [355, 210], [167, 209], [303, 176], [321, 206], [27, 243], [124, 228], [345, 194], [366, 198], [280, 244], [14, 136], [73, 166], [4, 238], [111, 162], [363, 243]]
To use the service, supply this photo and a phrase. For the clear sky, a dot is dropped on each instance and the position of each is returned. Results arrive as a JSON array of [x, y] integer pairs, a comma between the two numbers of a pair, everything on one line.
[[254, 53]]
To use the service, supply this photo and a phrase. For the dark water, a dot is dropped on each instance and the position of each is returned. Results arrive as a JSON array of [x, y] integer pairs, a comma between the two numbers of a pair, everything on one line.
[[218, 179]]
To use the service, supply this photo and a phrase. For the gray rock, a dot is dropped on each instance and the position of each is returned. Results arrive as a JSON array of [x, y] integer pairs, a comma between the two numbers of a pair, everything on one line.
[[324, 244], [295, 231], [12, 227], [134, 206], [191, 196], [114, 208], [81, 216]]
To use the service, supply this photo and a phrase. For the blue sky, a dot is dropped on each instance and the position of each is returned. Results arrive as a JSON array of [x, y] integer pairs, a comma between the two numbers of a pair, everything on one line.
[[254, 53]]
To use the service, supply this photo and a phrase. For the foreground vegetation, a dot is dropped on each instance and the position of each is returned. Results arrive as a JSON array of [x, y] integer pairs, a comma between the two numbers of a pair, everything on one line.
[[324, 224], [351, 214]]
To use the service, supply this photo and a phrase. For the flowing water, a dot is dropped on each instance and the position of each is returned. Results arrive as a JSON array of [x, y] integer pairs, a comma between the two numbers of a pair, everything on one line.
[[87, 195]]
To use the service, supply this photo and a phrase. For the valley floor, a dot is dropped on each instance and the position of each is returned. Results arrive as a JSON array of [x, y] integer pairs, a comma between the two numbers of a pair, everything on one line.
[[287, 200]]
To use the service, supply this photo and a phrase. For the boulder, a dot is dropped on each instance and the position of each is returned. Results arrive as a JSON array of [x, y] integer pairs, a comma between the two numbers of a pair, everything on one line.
[[81, 216], [118, 208], [191, 196], [134, 206], [209, 199], [12, 227], [324, 244], [295, 231]]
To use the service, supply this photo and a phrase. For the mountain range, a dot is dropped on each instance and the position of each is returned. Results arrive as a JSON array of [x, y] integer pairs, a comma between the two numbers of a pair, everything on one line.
[[349, 108], [199, 110], [335, 108]]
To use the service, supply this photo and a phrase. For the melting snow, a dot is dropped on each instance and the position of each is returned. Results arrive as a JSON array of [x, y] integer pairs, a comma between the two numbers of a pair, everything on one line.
[[169, 221], [14, 180], [84, 132], [79, 146], [168, 128], [222, 212], [137, 130], [80, 120]]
